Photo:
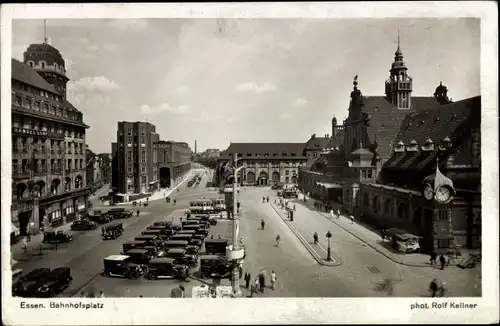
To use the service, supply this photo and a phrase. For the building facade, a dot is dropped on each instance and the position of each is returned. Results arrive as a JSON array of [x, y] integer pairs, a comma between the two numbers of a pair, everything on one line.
[[397, 156], [263, 163], [136, 158], [174, 162], [48, 143]]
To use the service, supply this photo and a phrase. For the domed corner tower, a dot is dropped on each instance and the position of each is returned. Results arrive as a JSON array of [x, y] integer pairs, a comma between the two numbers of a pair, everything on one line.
[[49, 63]]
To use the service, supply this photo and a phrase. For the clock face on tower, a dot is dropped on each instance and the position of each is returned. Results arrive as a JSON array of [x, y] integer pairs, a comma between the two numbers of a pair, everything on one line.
[[428, 192], [443, 194]]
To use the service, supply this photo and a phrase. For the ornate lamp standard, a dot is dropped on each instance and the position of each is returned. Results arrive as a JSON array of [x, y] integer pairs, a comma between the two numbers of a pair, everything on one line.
[[329, 251]]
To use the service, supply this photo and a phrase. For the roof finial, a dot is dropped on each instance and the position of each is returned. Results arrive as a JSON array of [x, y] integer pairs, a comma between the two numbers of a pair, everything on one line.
[[398, 51], [45, 39]]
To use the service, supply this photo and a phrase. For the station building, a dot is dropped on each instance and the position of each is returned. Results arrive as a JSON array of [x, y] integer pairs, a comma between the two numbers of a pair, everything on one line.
[[263, 163], [391, 148]]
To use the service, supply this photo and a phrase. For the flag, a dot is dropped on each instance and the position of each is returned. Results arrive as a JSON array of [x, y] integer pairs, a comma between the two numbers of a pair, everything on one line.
[[441, 180]]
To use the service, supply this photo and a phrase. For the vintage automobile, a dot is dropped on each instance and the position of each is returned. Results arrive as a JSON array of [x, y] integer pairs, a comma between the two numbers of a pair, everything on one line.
[[56, 237], [119, 213], [198, 228], [171, 244], [112, 231], [83, 225], [140, 256], [277, 186], [189, 232], [129, 245], [99, 217], [166, 267], [403, 241], [199, 220], [27, 285], [163, 223], [185, 237], [152, 232], [182, 257], [196, 242], [199, 236], [55, 282], [122, 266], [216, 246], [289, 194], [190, 221], [150, 239], [215, 266]]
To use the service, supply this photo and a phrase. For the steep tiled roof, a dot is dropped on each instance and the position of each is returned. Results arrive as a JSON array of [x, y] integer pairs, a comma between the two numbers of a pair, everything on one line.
[[25, 74], [317, 143], [262, 148], [453, 120], [386, 119]]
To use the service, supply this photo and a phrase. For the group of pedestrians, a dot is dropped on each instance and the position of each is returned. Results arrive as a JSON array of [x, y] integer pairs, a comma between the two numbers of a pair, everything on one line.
[[265, 199], [259, 285], [442, 260]]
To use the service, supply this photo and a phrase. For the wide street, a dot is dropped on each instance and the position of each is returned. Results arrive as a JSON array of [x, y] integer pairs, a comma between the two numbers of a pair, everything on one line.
[[299, 275]]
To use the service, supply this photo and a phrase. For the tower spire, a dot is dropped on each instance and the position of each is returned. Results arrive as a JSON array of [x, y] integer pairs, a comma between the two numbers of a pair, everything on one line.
[[45, 39], [398, 51]]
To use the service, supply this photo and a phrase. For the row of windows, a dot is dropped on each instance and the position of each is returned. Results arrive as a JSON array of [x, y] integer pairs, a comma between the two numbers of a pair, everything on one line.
[[36, 124], [267, 154], [41, 165], [43, 65], [45, 107]]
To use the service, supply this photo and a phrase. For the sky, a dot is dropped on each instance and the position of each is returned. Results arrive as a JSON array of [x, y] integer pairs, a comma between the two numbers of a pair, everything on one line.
[[246, 80]]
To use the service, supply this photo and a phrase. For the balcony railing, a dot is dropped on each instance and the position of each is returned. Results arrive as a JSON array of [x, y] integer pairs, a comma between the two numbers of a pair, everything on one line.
[[41, 171], [20, 174]]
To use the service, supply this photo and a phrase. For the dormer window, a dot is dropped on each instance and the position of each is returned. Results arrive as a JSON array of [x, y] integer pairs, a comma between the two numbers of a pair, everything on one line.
[[429, 145], [446, 143], [400, 146], [283, 154], [413, 147]]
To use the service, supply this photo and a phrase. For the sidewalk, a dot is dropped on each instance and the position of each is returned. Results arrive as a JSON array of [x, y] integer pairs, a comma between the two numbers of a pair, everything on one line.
[[372, 238], [317, 251], [162, 193], [18, 253]]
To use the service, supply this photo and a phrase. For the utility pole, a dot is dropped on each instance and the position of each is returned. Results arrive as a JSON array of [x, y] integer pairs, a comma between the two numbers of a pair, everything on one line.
[[235, 281]]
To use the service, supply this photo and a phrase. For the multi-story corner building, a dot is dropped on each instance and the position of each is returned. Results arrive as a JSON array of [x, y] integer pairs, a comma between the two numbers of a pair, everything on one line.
[[263, 163], [174, 162], [136, 158], [48, 143]]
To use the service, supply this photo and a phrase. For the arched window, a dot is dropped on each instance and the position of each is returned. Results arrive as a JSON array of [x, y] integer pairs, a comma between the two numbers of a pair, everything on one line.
[[388, 207], [366, 200], [375, 204], [403, 211], [67, 184]]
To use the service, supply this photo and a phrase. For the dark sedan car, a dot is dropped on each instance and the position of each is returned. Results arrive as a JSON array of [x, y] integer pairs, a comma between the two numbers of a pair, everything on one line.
[[27, 286], [55, 282], [83, 225]]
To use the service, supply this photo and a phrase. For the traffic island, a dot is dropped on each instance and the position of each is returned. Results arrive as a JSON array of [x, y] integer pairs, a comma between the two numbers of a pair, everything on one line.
[[335, 261]]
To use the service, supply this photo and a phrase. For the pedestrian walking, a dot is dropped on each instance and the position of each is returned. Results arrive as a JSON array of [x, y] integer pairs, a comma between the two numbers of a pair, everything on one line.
[[352, 219], [262, 224], [101, 294], [247, 280], [25, 245], [267, 198], [238, 207], [294, 207], [442, 260], [273, 280], [255, 287], [331, 213], [138, 212], [338, 214], [433, 287], [262, 282], [316, 238], [28, 235], [83, 294], [433, 258], [382, 234]]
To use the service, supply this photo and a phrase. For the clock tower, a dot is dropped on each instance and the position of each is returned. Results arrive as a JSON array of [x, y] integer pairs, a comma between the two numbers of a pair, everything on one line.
[[438, 190]]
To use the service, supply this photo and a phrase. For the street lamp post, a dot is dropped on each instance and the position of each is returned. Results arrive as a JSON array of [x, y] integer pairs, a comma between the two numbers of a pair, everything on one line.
[[329, 251], [235, 280]]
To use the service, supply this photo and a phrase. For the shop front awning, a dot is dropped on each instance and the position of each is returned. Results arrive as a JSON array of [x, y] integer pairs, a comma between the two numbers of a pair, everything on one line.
[[330, 185]]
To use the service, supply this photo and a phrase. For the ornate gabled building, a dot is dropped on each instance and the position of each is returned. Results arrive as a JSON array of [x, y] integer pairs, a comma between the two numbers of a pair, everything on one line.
[[263, 163], [48, 143], [387, 153]]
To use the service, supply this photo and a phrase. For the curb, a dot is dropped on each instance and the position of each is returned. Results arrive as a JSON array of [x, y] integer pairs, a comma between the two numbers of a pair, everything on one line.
[[321, 261], [366, 242]]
